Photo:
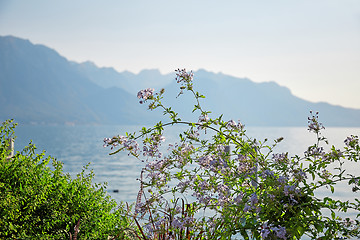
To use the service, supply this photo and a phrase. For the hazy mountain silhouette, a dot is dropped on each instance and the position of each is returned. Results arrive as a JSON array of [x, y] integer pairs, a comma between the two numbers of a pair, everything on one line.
[[38, 85], [132, 83], [261, 104]]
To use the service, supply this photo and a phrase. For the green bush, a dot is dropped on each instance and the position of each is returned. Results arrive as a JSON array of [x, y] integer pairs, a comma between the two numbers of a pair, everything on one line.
[[37, 202]]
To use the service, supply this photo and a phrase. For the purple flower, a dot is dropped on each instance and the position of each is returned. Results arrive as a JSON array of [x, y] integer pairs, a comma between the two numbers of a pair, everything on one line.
[[156, 165], [315, 151], [265, 230], [238, 198], [244, 166], [254, 199], [289, 189], [223, 199], [220, 149], [246, 207], [271, 196], [145, 94], [183, 76], [267, 173], [203, 118], [140, 208], [282, 179], [351, 141], [158, 138], [194, 134], [313, 124], [131, 145], [203, 185], [334, 154], [205, 161], [157, 177], [265, 233], [176, 223], [183, 185], [223, 188], [299, 174], [108, 142], [203, 199], [280, 157], [234, 125], [280, 232]]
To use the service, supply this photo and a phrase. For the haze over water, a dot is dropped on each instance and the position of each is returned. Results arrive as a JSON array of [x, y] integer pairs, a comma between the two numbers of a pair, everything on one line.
[[76, 146]]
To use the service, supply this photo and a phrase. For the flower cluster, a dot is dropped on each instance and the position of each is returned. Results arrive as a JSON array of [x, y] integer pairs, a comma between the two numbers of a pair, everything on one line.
[[183, 222], [299, 174], [130, 144], [268, 230], [313, 123], [315, 151], [245, 166], [232, 124], [267, 173], [185, 79], [145, 94], [280, 158], [351, 141], [203, 118], [334, 154], [252, 204], [181, 153], [151, 147], [183, 76], [110, 142], [114, 141]]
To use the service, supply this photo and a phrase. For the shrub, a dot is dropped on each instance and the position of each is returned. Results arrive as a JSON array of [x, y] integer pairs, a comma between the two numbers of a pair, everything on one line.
[[37, 202], [198, 189]]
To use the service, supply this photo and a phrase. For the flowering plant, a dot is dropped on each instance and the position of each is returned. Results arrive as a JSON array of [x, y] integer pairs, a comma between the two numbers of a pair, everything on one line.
[[199, 188]]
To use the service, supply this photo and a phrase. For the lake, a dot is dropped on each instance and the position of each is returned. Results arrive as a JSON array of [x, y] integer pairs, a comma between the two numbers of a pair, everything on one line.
[[76, 146]]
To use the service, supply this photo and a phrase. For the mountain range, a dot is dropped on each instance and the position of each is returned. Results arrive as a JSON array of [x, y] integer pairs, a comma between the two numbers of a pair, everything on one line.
[[39, 86]]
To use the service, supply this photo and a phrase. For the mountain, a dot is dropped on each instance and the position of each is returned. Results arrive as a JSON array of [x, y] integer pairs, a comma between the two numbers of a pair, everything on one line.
[[38, 85], [258, 104], [132, 83]]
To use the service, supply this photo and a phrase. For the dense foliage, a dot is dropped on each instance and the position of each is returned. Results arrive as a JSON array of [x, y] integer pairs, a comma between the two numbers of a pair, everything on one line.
[[199, 189], [39, 202]]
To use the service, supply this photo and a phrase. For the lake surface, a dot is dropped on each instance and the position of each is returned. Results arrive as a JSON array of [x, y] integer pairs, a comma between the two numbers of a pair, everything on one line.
[[76, 146]]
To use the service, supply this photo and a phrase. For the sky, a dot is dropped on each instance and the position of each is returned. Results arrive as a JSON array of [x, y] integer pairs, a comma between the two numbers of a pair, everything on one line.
[[311, 47]]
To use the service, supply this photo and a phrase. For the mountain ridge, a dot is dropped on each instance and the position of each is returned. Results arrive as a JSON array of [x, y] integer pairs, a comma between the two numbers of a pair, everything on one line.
[[39, 85]]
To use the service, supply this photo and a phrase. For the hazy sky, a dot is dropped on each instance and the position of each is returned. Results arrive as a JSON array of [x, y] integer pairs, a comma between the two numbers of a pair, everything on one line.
[[309, 46]]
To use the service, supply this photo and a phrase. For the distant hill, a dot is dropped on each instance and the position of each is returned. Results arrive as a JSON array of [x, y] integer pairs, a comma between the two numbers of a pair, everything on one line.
[[130, 82], [37, 85], [258, 104], [263, 104]]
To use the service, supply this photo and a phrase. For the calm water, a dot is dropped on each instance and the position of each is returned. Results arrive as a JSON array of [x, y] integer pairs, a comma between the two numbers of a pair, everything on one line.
[[76, 146]]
